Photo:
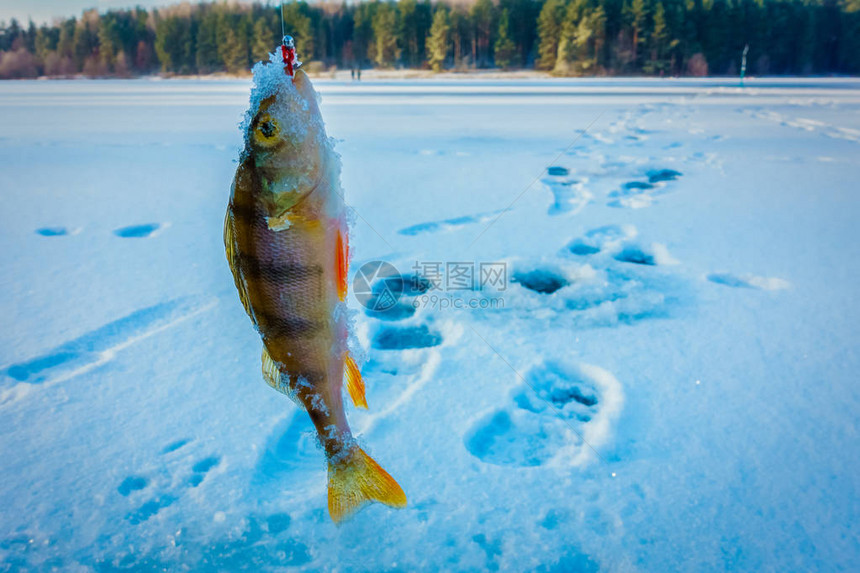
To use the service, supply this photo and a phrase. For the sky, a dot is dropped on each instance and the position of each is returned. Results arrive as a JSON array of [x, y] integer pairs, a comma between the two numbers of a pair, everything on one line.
[[45, 10]]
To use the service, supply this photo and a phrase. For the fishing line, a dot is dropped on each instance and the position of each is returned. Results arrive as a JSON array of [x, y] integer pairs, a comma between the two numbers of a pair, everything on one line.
[[283, 30]]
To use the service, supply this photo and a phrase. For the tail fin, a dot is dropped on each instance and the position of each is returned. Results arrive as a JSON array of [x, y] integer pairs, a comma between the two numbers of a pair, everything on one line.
[[357, 480]]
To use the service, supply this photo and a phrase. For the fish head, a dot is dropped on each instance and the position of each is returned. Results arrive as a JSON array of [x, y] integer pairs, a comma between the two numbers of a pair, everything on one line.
[[286, 140]]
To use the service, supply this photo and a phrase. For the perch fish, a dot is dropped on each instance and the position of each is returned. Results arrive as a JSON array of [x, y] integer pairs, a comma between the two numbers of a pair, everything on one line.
[[286, 238]]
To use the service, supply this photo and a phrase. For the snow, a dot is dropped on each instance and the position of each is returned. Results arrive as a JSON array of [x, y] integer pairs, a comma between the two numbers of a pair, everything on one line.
[[666, 382]]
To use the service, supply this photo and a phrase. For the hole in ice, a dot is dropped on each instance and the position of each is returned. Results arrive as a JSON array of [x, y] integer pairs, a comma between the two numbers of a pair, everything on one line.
[[137, 231], [52, 231], [543, 281], [404, 338], [660, 175], [556, 171]]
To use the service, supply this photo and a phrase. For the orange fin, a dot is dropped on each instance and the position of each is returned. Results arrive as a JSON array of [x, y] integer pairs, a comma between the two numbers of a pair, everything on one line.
[[342, 262], [354, 383], [355, 481]]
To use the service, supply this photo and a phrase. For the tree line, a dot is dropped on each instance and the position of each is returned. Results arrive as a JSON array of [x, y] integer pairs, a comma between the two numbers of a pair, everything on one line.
[[565, 37]]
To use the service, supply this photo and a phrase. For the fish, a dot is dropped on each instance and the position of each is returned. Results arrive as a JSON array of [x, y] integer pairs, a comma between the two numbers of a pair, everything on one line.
[[286, 237]]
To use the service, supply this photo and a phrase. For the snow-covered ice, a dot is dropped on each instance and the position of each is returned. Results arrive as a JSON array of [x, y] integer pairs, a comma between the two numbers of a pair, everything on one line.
[[667, 382]]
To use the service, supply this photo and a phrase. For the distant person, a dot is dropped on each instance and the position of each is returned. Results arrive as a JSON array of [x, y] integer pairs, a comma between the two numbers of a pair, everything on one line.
[[358, 73], [352, 73]]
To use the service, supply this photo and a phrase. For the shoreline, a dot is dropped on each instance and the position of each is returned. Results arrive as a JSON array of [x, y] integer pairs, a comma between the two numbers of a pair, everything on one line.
[[371, 75]]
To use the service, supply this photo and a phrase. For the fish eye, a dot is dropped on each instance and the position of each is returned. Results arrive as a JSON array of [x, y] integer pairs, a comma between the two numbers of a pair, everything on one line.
[[267, 128]]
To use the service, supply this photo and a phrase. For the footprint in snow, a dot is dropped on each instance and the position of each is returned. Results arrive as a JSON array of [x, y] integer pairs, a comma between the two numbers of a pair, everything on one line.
[[55, 231], [569, 194], [291, 447], [748, 281], [132, 484], [638, 194], [540, 280], [603, 278], [137, 231], [562, 412], [258, 542], [407, 337], [405, 288], [661, 175], [619, 242], [173, 446], [155, 493], [98, 346], [608, 237], [381, 303], [452, 224], [201, 468]]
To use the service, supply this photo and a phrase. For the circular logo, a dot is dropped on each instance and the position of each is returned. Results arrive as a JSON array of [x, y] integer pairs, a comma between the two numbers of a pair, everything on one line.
[[377, 285]]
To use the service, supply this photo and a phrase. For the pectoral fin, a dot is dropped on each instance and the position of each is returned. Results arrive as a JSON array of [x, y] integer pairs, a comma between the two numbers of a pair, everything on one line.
[[272, 374], [354, 383]]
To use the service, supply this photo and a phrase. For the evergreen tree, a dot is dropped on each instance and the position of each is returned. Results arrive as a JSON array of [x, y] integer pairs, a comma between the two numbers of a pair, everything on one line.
[[549, 31], [659, 41], [108, 35], [362, 35], [207, 58], [636, 16], [569, 45], [460, 35], [83, 41], [437, 40], [265, 39], [504, 47], [232, 46], [566, 36], [66, 45], [386, 32], [598, 37], [481, 15], [45, 42], [298, 24], [409, 31]]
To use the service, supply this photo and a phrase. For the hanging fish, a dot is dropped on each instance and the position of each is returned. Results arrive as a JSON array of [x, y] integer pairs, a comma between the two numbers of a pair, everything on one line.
[[286, 237]]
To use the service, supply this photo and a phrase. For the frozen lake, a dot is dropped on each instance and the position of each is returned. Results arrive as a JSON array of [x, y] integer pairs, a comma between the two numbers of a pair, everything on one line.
[[666, 380]]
